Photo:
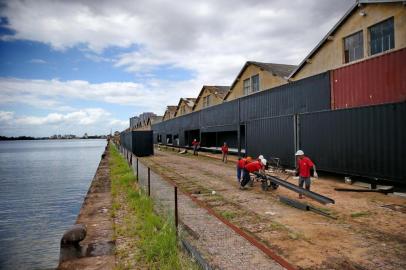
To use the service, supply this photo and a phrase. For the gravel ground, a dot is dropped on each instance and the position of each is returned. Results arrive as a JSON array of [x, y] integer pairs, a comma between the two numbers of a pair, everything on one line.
[[364, 236]]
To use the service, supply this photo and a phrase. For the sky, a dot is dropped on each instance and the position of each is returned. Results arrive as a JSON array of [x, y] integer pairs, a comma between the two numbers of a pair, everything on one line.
[[78, 66]]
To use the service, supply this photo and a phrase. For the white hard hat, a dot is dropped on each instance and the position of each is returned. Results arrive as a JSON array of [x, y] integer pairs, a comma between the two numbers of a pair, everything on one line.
[[299, 153], [261, 157], [263, 161]]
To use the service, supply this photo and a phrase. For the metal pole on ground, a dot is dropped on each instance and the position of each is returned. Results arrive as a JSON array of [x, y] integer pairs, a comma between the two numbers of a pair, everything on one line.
[[149, 181], [176, 208], [131, 159]]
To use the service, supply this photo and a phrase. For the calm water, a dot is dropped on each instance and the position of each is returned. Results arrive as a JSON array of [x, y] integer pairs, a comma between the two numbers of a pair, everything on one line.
[[42, 187]]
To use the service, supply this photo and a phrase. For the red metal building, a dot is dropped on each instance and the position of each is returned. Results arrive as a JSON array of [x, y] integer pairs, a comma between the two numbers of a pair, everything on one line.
[[377, 80]]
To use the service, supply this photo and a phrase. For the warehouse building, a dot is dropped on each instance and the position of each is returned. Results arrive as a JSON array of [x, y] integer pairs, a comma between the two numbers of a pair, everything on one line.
[[185, 106], [344, 105], [258, 76], [368, 29], [210, 96], [169, 112]]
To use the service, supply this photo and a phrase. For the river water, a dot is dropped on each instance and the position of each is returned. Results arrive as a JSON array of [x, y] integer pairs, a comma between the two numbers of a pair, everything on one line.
[[42, 187]]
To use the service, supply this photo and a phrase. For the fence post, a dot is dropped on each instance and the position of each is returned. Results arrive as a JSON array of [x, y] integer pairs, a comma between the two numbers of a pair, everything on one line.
[[149, 181], [131, 159], [137, 172], [176, 208]]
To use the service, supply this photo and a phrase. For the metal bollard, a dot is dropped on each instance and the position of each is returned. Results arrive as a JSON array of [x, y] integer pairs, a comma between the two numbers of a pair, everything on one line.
[[137, 171], [149, 181], [176, 208]]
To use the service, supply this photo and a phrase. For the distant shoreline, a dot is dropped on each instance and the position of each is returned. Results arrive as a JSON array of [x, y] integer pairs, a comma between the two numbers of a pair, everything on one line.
[[25, 138]]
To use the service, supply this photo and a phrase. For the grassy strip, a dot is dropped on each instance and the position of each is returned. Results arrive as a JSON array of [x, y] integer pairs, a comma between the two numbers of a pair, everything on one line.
[[153, 237]]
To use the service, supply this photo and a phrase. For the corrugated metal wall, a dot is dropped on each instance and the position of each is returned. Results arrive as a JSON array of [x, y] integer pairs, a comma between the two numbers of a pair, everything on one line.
[[126, 140], [367, 141], [272, 137], [138, 142], [142, 143], [377, 80], [221, 117], [306, 95]]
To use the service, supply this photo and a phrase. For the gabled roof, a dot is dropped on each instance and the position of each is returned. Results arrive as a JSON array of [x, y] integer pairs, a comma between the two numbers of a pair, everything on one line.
[[335, 27], [280, 70], [170, 109], [217, 90], [154, 119], [190, 102]]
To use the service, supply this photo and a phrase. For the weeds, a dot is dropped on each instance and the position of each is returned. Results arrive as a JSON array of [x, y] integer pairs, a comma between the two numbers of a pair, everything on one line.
[[228, 214], [153, 237], [360, 214]]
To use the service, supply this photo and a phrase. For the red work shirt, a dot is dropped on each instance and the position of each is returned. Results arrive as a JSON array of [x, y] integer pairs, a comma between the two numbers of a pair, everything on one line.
[[241, 163], [224, 149], [195, 143], [305, 164], [254, 166]]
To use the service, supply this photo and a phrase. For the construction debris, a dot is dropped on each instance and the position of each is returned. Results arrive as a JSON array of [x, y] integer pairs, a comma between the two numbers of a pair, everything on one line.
[[384, 191], [304, 206], [279, 182], [396, 207]]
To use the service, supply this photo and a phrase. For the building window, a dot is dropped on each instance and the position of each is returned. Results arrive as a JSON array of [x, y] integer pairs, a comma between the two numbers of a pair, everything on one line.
[[382, 36], [251, 85], [255, 83], [353, 47], [206, 101], [247, 87]]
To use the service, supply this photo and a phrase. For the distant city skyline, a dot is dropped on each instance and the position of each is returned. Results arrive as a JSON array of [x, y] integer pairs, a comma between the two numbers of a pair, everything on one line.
[[87, 67]]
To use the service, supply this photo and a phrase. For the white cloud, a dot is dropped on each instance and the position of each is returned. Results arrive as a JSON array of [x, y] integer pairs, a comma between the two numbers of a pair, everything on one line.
[[97, 58], [54, 94], [91, 120], [37, 61], [212, 38], [6, 116]]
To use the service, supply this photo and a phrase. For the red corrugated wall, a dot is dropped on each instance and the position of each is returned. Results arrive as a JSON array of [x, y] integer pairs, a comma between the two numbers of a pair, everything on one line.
[[378, 80]]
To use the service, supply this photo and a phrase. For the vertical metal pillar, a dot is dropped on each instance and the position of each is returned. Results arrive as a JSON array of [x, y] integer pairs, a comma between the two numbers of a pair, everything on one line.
[[176, 209], [137, 171], [296, 134], [149, 181], [238, 130]]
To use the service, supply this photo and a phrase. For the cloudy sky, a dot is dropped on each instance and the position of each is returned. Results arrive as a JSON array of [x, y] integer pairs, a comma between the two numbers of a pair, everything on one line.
[[87, 66]]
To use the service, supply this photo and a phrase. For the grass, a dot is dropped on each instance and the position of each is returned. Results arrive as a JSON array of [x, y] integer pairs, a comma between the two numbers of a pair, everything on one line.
[[228, 214], [360, 214], [153, 238]]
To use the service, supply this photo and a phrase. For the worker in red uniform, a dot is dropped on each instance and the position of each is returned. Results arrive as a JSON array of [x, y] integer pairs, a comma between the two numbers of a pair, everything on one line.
[[195, 145], [251, 167], [304, 165], [240, 166], [224, 151]]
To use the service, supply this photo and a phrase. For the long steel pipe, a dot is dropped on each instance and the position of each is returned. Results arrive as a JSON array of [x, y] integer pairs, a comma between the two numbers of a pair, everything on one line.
[[315, 196]]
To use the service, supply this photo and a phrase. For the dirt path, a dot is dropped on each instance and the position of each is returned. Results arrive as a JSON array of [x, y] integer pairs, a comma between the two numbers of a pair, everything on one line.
[[365, 235]]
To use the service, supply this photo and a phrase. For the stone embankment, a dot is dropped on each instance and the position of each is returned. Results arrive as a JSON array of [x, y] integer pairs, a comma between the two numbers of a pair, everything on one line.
[[89, 243]]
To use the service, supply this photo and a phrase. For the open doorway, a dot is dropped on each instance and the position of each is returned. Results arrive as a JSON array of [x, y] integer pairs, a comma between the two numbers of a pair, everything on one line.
[[169, 139], [190, 135]]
